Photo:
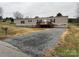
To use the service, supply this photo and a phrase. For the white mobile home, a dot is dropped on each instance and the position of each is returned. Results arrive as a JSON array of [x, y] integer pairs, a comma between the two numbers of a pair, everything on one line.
[[32, 22]]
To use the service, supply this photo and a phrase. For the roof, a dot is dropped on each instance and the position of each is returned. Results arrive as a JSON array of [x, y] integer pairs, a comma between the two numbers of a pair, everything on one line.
[[40, 18]]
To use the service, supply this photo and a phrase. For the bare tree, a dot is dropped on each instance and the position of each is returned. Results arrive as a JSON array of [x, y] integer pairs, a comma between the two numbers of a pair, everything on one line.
[[77, 10], [1, 11], [77, 13], [18, 15]]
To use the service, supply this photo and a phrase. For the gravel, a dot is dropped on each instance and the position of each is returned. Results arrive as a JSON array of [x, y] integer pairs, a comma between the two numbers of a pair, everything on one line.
[[35, 43]]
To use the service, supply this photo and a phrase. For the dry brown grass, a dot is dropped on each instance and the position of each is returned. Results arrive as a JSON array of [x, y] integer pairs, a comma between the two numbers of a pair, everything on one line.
[[68, 44], [22, 31], [15, 31]]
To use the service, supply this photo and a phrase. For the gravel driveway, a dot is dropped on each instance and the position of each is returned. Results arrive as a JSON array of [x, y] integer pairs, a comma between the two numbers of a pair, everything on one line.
[[35, 43]]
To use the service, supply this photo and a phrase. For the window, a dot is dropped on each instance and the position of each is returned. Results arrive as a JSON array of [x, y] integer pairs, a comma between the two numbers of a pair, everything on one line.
[[51, 20], [22, 22], [29, 20], [54, 21]]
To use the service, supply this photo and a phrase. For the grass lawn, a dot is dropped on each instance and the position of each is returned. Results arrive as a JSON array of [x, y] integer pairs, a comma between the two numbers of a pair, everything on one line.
[[69, 43], [14, 31]]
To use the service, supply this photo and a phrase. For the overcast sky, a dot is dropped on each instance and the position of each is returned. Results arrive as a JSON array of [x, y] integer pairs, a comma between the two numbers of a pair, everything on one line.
[[39, 8]]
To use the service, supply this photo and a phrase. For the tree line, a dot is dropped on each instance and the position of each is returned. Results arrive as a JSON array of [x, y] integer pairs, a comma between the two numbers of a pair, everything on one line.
[[19, 15]]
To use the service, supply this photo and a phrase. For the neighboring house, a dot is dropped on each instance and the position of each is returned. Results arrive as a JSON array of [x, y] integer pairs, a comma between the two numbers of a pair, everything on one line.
[[32, 22]]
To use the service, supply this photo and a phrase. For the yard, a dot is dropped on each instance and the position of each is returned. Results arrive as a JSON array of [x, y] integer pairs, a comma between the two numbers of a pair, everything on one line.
[[12, 30], [68, 44]]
